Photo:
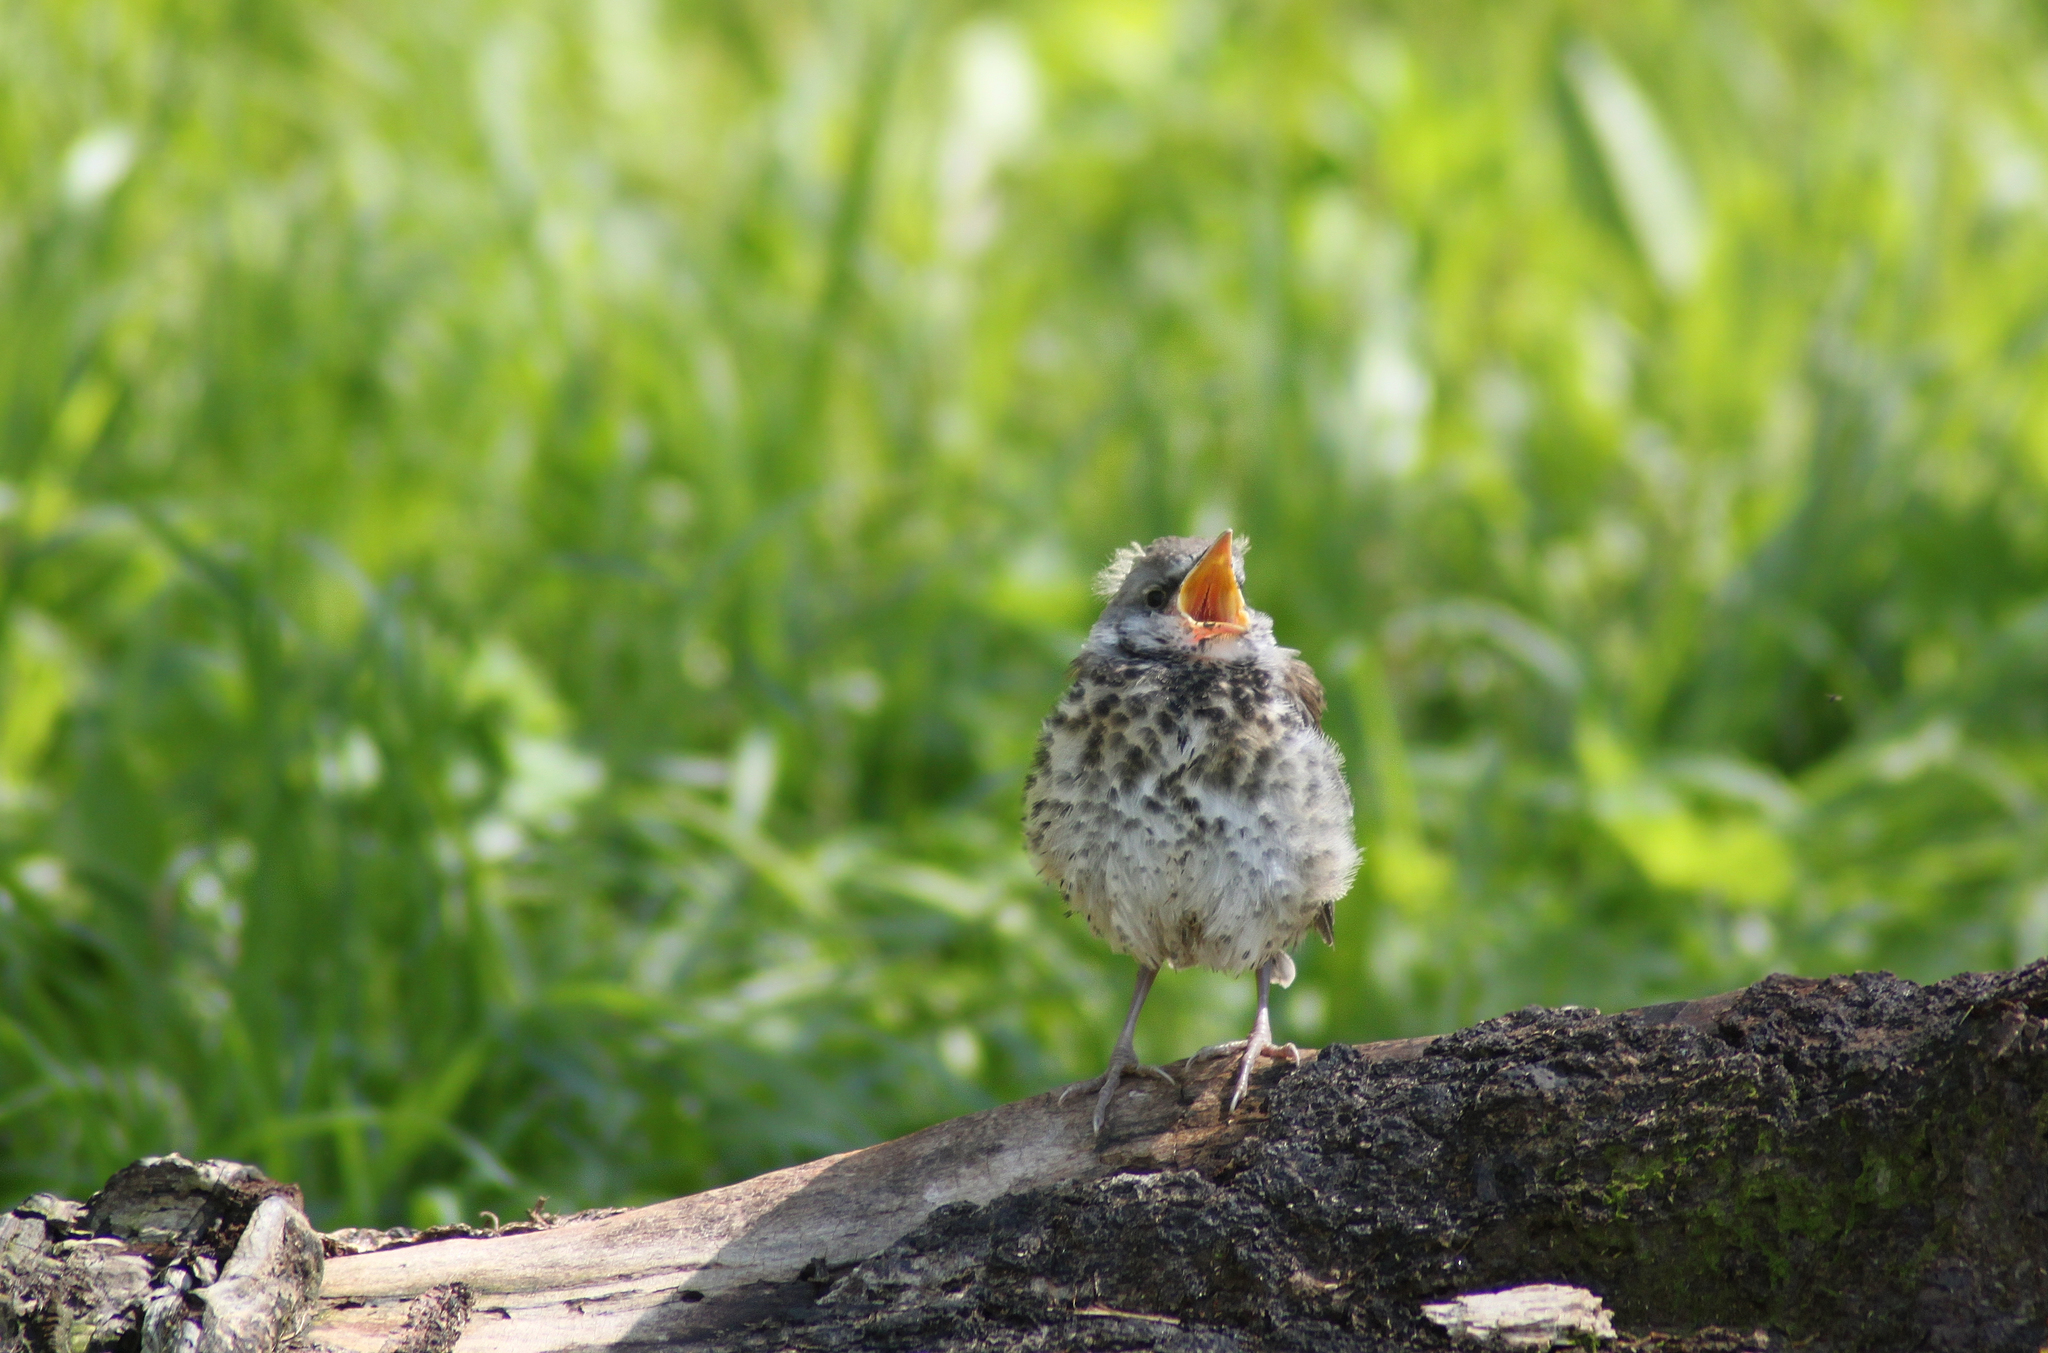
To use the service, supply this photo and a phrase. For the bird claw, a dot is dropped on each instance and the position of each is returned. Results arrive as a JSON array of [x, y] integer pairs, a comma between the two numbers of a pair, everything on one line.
[[1107, 1082], [1283, 1052]]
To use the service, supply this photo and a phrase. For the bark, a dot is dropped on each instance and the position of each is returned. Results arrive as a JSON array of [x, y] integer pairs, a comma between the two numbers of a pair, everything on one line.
[[1854, 1163], [172, 1256], [265, 1292]]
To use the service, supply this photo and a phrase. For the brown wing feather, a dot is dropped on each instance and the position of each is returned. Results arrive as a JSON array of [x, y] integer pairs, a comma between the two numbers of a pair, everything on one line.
[[1301, 683], [1307, 692]]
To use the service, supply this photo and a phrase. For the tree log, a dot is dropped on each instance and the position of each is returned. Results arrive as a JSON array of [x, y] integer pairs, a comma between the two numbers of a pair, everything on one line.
[[1848, 1164]]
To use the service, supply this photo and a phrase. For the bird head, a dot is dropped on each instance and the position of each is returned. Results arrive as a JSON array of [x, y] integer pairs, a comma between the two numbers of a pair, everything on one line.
[[1178, 595]]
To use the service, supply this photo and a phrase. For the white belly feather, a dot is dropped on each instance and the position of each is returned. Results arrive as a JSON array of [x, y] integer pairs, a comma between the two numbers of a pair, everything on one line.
[[1170, 866]]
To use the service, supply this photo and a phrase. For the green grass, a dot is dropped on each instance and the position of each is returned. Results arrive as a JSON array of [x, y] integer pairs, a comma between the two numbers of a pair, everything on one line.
[[536, 538]]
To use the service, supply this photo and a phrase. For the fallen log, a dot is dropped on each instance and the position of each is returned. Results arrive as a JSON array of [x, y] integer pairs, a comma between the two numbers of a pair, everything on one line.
[[1851, 1163]]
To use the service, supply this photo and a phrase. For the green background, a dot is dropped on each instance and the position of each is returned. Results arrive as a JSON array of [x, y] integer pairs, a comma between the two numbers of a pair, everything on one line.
[[537, 535]]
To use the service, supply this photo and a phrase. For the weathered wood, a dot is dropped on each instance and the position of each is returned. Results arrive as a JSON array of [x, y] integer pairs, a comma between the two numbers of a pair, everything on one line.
[[139, 1266], [265, 1293], [1856, 1163], [1859, 1161], [168, 1200], [434, 1320], [1541, 1315], [665, 1272]]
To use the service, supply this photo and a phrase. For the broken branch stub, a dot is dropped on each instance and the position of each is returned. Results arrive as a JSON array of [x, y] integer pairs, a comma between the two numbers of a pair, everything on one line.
[[267, 1290], [172, 1256]]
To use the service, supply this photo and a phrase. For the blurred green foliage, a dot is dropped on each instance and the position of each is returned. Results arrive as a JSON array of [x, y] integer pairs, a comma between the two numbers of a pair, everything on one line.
[[537, 536]]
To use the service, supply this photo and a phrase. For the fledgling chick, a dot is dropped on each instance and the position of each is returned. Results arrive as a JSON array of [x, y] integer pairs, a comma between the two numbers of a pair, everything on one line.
[[1184, 799]]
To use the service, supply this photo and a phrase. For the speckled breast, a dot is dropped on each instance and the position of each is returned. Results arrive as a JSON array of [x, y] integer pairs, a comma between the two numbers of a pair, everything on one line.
[[1189, 810]]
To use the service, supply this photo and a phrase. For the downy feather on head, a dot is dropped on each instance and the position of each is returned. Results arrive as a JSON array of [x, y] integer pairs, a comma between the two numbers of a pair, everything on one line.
[[1111, 579]]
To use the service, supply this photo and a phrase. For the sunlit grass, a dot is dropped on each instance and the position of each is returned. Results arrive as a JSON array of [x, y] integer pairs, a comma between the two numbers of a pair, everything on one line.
[[536, 539]]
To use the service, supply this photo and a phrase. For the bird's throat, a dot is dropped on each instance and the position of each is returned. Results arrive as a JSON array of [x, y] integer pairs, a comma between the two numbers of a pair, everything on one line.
[[1209, 596]]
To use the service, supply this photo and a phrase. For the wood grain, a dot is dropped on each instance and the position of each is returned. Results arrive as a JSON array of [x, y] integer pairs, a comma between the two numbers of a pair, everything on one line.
[[656, 1274]]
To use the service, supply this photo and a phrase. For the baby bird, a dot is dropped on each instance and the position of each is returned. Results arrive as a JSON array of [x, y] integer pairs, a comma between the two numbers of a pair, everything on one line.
[[1184, 799]]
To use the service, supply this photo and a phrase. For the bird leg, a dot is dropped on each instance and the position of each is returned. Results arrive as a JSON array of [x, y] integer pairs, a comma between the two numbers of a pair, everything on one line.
[[1123, 1056], [1261, 1041]]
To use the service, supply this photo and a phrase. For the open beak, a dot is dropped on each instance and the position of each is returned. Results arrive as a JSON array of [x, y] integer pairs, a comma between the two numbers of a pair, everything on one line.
[[1209, 597]]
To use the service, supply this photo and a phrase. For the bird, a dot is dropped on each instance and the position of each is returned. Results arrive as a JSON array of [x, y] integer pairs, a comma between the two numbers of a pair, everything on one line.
[[1183, 797]]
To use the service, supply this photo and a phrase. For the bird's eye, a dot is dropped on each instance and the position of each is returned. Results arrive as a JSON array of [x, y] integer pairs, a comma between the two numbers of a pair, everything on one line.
[[1155, 596]]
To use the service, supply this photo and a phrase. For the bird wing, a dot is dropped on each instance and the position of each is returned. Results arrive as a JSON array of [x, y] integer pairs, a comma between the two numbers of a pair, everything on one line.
[[1307, 694], [1306, 691]]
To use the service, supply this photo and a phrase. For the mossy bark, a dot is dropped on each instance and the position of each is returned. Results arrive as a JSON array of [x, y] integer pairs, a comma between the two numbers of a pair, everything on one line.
[[1856, 1163]]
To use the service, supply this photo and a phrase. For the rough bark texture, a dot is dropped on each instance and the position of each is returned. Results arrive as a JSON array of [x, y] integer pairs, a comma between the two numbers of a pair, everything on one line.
[[1849, 1164], [172, 1256], [266, 1291], [1859, 1162]]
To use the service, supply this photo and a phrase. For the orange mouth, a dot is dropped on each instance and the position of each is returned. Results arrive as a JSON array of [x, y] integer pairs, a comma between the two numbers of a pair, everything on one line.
[[1209, 597]]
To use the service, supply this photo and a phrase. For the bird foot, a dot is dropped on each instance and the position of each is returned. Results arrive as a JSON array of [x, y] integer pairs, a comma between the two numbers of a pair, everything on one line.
[[1107, 1082], [1285, 1052], [1279, 1052]]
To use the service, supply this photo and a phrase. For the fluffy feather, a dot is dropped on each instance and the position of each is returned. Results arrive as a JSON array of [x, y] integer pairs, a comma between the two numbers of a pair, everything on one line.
[[1111, 579]]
